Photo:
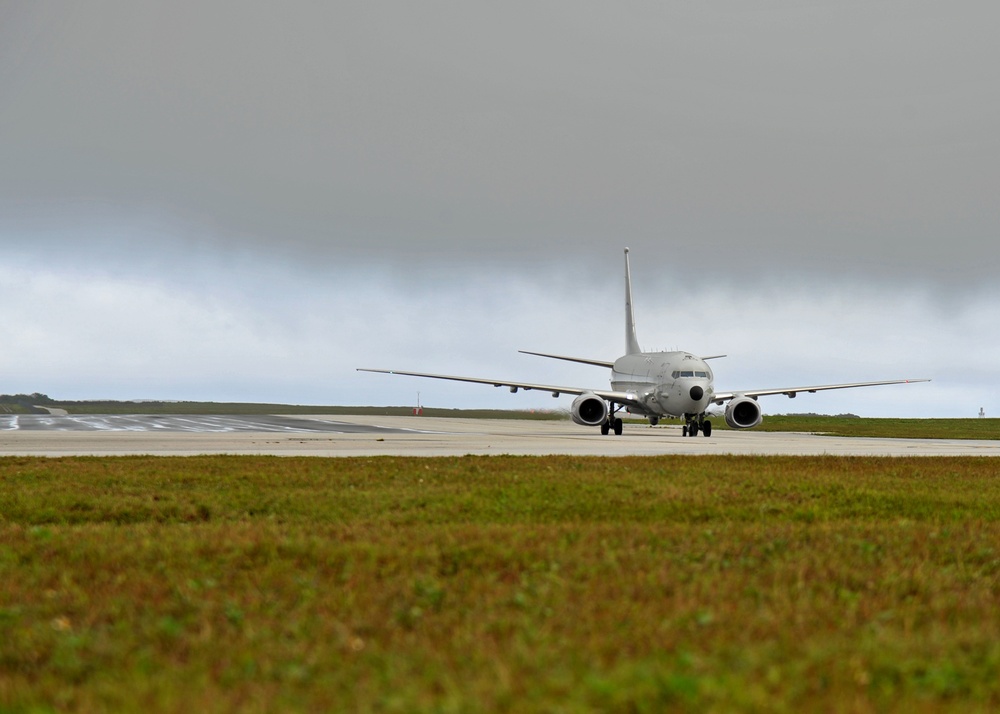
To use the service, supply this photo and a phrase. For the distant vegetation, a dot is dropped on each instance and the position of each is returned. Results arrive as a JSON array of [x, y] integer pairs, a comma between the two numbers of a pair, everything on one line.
[[248, 408], [836, 416], [23, 403], [26, 403], [884, 428], [499, 584]]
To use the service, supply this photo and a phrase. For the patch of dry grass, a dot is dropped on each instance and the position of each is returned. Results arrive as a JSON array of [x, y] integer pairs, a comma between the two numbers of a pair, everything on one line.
[[499, 584]]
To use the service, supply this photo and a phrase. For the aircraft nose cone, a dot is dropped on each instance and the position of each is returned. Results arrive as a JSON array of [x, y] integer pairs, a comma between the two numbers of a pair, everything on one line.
[[697, 393]]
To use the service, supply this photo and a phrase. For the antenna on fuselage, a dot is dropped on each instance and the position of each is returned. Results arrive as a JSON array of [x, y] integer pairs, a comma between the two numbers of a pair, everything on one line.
[[631, 344]]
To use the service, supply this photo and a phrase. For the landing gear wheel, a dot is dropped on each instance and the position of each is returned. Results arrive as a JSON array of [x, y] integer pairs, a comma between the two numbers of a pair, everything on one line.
[[618, 427], [605, 428], [693, 430], [685, 430], [706, 428]]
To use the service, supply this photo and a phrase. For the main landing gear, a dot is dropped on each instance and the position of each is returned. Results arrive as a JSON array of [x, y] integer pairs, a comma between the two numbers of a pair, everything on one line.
[[612, 423], [696, 424]]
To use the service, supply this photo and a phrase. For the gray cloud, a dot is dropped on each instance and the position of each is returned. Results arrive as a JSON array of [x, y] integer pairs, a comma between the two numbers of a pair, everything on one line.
[[839, 157], [855, 138]]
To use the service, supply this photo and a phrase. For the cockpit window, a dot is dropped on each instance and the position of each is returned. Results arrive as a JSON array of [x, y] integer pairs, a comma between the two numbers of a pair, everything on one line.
[[688, 373], [701, 374]]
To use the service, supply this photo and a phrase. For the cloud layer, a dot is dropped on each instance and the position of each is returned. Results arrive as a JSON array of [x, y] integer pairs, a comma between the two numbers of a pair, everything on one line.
[[237, 200]]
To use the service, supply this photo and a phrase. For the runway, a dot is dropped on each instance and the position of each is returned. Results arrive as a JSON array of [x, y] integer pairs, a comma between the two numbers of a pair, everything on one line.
[[420, 436], [200, 424]]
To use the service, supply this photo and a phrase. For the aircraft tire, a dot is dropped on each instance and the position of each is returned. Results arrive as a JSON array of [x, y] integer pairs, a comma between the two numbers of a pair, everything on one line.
[[693, 430], [618, 427], [706, 428], [605, 428]]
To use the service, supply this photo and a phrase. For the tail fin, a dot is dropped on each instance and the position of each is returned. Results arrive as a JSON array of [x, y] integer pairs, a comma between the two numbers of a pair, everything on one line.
[[631, 345]]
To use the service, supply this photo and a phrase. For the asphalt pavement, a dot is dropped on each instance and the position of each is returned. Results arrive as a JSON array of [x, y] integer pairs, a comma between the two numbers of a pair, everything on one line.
[[199, 424], [423, 436]]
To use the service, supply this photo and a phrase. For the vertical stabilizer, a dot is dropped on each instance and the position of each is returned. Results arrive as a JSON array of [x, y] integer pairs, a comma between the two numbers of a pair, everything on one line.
[[631, 344]]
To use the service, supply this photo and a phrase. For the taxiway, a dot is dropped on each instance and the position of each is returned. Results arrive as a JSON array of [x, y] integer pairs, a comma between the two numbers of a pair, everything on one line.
[[420, 436]]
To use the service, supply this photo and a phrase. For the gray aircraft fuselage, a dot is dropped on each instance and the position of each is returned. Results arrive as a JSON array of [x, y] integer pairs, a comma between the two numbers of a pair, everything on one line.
[[665, 383]]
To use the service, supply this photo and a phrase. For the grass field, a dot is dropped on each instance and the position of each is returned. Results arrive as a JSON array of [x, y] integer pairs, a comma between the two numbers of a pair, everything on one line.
[[494, 584], [883, 427]]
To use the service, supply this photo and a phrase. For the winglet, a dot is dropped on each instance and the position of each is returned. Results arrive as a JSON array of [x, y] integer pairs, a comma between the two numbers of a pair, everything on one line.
[[631, 344]]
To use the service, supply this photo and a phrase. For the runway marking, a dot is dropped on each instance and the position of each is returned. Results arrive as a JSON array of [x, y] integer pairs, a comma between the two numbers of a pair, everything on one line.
[[209, 424], [317, 435]]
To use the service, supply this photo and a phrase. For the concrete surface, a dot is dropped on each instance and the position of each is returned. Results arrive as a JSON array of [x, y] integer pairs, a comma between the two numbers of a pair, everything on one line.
[[426, 436]]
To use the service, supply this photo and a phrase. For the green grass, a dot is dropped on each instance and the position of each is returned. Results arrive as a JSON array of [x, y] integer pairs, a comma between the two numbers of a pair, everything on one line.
[[884, 428], [499, 584]]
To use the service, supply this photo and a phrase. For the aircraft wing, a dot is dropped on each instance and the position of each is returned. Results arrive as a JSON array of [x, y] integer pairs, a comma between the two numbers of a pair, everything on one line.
[[722, 397], [625, 398]]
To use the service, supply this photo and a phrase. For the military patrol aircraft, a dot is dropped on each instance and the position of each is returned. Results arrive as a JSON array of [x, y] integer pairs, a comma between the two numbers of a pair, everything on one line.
[[654, 385]]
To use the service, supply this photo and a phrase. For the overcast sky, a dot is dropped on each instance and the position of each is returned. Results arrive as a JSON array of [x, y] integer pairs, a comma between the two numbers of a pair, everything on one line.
[[247, 200]]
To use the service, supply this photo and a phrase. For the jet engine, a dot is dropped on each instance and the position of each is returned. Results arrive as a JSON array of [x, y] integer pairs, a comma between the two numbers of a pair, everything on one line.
[[743, 413], [589, 410]]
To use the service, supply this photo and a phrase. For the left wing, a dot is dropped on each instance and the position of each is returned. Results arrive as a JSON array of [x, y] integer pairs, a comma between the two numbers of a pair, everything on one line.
[[721, 397], [624, 398]]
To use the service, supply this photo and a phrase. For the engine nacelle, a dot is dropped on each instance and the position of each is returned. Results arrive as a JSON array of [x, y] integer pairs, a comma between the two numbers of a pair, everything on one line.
[[743, 413], [589, 410]]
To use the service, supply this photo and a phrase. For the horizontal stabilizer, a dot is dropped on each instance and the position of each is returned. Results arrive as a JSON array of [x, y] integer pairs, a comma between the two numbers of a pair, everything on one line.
[[623, 398], [581, 360]]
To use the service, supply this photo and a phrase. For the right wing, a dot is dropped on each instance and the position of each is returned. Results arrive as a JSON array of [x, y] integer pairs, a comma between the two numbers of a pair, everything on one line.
[[721, 397], [625, 398]]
